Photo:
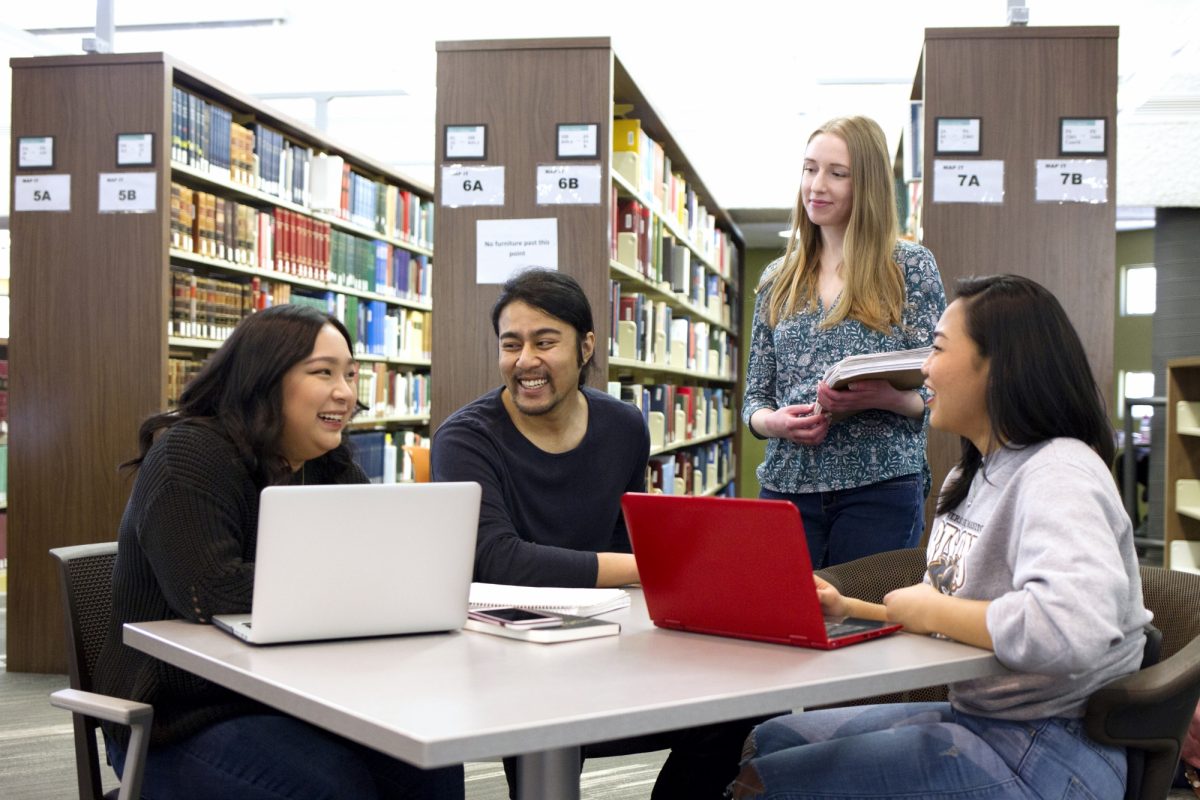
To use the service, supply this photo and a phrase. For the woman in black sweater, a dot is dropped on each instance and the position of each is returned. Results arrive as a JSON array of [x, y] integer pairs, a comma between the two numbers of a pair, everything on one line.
[[269, 407]]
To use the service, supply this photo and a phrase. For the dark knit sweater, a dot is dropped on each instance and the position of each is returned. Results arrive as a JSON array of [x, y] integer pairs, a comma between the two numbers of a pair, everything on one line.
[[185, 550], [544, 516]]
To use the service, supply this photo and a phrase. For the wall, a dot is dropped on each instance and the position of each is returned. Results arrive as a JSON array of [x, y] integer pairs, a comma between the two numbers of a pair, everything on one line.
[[750, 450]]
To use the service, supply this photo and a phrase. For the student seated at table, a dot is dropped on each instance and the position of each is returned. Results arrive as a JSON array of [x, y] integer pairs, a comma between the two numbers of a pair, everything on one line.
[[554, 457], [1031, 555], [269, 407]]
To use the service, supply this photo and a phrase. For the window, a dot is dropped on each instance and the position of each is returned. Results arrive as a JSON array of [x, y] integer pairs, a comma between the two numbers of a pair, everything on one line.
[[1137, 384], [1138, 283]]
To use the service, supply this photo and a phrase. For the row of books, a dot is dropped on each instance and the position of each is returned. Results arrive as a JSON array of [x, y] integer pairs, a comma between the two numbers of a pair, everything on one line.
[[651, 331], [383, 207], [696, 470], [295, 244], [205, 136], [180, 370], [643, 244], [676, 414], [205, 307], [384, 391], [381, 455], [646, 166]]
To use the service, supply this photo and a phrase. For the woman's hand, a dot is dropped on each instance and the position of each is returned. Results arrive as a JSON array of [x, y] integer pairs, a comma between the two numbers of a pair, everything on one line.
[[912, 606], [832, 602], [796, 423], [862, 395]]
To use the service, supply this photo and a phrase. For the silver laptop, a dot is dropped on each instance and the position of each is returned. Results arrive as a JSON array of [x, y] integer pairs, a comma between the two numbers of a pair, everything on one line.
[[341, 561]]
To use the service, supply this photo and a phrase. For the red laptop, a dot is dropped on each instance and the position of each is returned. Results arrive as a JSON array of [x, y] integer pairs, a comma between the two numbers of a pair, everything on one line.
[[733, 567]]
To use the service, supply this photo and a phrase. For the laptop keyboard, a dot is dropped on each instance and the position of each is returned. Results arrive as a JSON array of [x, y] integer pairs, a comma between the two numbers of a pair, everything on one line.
[[836, 629]]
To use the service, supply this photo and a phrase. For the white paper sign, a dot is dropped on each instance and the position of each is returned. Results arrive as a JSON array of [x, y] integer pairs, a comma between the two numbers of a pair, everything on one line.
[[42, 193], [968, 181], [563, 185], [472, 186], [504, 246], [128, 192], [1072, 180]]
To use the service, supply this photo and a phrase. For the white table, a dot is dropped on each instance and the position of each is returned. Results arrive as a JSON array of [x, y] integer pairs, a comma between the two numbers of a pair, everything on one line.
[[439, 699]]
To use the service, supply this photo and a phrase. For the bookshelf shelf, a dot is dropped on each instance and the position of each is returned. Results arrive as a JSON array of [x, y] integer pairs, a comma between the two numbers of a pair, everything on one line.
[[239, 190], [114, 284], [686, 443], [633, 279], [632, 366], [1181, 473], [627, 189], [188, 257]]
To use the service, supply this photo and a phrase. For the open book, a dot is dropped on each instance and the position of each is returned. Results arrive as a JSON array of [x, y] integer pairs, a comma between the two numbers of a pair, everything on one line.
[[579, 602], [572, 629], [901, 368]]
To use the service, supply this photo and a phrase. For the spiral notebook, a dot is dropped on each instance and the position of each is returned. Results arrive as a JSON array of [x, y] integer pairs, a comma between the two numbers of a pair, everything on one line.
[[578, 602]]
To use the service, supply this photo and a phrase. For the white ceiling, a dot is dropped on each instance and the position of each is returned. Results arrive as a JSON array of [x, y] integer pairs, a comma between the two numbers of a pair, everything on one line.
[[740, 85]]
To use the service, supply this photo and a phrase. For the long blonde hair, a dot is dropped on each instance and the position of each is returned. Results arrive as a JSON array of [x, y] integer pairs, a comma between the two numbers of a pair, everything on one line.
[[873, 292]]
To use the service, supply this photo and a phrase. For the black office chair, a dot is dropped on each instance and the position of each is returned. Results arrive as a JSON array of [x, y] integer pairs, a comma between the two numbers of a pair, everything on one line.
[[85, 573], [870, 578], [1148, 712]]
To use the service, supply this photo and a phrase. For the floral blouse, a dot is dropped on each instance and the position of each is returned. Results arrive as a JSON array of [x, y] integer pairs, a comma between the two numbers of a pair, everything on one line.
[[787, 362]]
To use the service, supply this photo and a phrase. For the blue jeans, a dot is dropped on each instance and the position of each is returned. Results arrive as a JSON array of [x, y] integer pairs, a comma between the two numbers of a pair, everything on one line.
[[272, 756], [846, 524], [925, 750]]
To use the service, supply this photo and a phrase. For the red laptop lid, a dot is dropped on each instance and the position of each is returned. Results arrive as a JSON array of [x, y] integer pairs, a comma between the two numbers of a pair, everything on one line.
[[725, 566]]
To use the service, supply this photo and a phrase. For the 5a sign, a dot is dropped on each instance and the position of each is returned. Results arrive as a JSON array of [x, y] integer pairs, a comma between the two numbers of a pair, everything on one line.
[[42, 193]]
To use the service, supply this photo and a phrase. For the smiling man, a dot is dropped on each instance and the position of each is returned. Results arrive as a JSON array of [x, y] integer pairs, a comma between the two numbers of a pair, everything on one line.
[[553, 456]]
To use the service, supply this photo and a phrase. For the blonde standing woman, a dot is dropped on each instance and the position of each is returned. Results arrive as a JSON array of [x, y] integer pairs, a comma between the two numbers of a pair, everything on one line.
[[846, 285]]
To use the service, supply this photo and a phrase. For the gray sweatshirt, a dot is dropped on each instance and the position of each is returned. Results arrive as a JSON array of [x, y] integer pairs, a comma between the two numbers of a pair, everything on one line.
[[1044, 536]]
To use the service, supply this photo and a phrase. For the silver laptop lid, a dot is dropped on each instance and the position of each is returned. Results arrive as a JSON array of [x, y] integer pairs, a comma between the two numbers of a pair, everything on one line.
[[338, 561]]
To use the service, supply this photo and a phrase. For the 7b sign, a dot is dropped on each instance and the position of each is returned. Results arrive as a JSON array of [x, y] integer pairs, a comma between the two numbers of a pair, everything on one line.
[[1072, 180]]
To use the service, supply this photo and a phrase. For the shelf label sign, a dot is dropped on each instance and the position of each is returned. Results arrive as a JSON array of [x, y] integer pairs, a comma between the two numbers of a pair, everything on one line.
[[128, 192], [568, 185], [472, 186], [968, 181], [42, 193], [1072, 180], [505, 246]]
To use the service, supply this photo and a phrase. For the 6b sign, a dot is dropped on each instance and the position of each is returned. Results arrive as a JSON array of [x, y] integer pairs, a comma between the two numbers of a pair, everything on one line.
[[1072, 180], [568, 184], [128, 192]]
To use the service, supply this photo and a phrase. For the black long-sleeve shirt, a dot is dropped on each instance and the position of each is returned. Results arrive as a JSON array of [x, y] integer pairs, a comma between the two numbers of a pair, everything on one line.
[[544, 516], [185, 550]]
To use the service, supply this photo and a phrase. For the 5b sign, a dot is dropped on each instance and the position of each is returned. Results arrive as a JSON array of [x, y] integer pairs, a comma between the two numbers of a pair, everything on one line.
[[128, 192]]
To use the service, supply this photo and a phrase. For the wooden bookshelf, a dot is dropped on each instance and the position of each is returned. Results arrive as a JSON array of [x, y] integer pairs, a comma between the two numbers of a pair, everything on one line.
[[1182, 465], [92, 311], [545, 83]]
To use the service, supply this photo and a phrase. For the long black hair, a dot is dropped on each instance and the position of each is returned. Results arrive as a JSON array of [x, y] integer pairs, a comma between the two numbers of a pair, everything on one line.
[[239, 390], [554, 293], [1039, 383]]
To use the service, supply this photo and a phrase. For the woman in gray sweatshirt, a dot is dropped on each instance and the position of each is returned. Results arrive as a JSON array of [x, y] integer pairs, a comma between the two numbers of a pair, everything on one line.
[[1031, 555]]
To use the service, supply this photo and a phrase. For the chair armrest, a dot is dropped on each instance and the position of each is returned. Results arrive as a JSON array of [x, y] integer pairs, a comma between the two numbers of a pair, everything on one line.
[[1140, 709], [102, 706]]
